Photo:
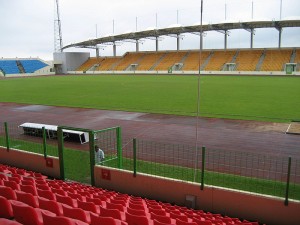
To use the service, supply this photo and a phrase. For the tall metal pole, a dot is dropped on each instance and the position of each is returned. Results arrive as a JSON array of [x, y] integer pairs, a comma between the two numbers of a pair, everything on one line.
[[280, 9], [252, 11], [198, 90], [58, 44], [96, 31]]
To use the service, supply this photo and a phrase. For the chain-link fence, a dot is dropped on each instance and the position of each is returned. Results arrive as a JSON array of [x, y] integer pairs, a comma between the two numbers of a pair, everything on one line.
[[244, 171], [16, 136]]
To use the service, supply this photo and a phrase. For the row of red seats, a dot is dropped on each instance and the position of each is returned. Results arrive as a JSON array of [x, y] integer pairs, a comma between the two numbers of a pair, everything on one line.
[[83, 202]]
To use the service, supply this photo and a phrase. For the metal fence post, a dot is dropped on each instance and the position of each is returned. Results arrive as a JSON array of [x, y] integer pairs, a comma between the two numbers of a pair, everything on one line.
[[92, 156], [7, 136], [203, 168], [286, 201], [119, 147], [60, 143], [134, 157], [44, 142]]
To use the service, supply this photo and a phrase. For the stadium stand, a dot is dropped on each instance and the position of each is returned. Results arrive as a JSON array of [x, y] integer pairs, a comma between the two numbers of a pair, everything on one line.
[[32, 65], [129, 59], [24, 207], [108, 63], [89, 63], [219, 59], [247, 60], [149, 60], [297, 59], [21, 66], [192, 61], [170, 59], [275, 60], [9, 66]]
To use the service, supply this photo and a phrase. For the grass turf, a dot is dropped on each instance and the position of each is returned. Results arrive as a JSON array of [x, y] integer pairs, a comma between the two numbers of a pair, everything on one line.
[[239, 97]]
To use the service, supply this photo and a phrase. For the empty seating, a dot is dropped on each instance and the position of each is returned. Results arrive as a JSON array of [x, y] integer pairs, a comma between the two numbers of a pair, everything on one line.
[[89, 63], [276, 59], [89, 205], [9, 66], [128, 59], [32, 65], [26, 214], [170, 59], [218, 59], [4, 221], [51, 205], [76, 213], [60, 220], [6, 209]]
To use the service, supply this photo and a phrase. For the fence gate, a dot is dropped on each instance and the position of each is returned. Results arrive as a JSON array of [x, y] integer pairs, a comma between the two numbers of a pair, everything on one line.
[[78, 165]]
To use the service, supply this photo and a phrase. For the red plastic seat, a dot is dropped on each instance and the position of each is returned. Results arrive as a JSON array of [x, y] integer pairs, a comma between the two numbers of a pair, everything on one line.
[[46, 194], [8, 222], [179, 216], [15, 179], [114, 213], [51, 206], [76, 196], [136, 220], [201, 222], [27, 198], [66, 200], [136, 212], [3, 176], [89, 206], [28, 189], [8, 193], [160, 212], [136, 205], [115, 206], [76, 213], [26, 214], [60, 220], [59, 191], [180, 222], [11, 184], [96, 220], [42, 187], [162, 218], [6, 209], [27, 182], [155, 222], [96, 201]]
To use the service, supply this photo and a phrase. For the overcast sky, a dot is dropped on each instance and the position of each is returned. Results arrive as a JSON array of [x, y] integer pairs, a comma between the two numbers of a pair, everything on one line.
[[27, 26]]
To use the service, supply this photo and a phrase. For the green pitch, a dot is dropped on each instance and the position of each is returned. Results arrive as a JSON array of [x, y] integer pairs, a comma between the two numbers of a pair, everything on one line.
[[238, 97]]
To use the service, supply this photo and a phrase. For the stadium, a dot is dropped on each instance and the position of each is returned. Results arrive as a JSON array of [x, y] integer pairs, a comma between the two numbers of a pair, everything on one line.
[[192, 134]]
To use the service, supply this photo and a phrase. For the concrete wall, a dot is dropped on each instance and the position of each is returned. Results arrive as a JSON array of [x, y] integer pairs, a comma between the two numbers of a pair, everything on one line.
[[269, 210], [30, 161], [70, 60]]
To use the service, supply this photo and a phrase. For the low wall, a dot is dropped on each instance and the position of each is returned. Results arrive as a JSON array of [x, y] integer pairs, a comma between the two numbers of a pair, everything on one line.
[[246, 73], [269, 210], [30, 161]]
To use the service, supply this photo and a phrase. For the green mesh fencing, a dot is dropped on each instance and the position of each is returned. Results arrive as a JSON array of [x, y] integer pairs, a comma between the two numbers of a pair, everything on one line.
[[2, 135], [107, 141], [244, 171], [31, 141], [257, 173]]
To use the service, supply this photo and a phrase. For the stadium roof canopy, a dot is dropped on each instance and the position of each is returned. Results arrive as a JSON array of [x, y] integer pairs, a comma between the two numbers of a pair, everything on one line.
[[195, 29]]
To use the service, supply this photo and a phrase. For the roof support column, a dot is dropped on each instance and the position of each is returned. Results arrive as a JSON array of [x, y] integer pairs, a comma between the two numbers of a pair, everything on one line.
[[225, 39], [137, 47], [114, 49], [201, 40], [178, 42], [156, 44], [97, 52], [279, 38], [251, 38]]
